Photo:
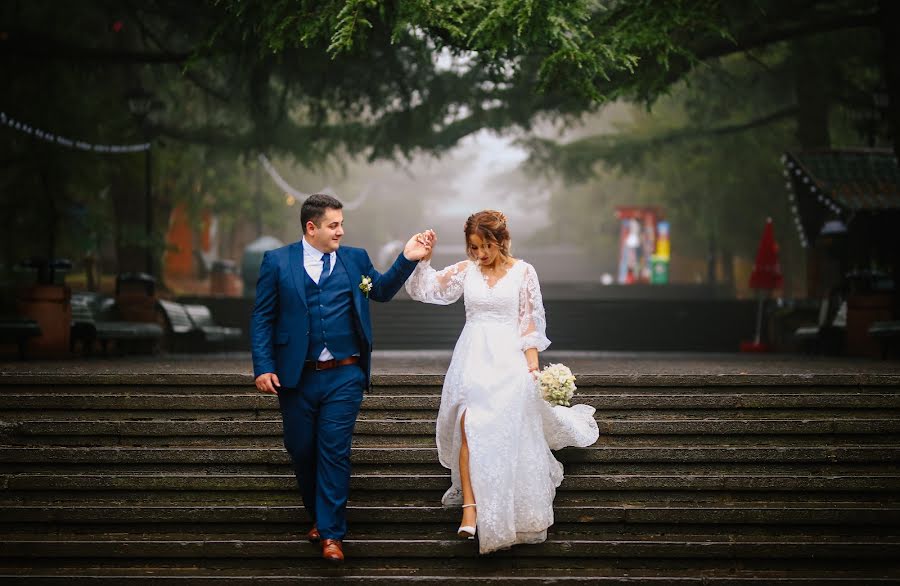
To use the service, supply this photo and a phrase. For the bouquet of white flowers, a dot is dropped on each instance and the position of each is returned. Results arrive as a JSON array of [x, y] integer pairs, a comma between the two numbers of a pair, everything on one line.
[[557, 384]]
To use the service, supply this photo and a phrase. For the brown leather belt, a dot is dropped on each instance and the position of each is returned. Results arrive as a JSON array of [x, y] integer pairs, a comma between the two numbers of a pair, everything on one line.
[[326, 364]]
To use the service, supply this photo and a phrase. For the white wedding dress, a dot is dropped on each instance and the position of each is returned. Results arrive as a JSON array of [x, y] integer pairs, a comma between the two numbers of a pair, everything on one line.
[[510, 429]]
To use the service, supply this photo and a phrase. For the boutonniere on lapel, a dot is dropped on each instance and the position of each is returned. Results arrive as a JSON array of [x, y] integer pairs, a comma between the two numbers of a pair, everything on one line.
[[366, 285]]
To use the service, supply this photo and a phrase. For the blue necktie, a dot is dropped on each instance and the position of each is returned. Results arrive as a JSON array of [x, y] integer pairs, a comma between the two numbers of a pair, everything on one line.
[[326, 268]]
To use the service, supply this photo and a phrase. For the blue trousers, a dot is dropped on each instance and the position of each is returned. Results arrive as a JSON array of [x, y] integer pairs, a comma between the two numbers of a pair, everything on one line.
[[319, 416]]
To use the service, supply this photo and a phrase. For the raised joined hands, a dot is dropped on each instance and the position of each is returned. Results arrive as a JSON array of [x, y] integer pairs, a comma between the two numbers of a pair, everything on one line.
[[420, 246]]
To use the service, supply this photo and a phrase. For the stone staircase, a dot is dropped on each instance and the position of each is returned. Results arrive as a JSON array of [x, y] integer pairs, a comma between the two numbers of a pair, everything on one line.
[[695, 480]]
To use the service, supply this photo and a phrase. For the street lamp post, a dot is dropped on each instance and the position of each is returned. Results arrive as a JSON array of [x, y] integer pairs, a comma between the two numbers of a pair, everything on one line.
[[141, 103]]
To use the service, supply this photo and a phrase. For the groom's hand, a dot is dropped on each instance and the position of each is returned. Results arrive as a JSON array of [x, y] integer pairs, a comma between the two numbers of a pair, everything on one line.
[[417, 247], [267, 382]]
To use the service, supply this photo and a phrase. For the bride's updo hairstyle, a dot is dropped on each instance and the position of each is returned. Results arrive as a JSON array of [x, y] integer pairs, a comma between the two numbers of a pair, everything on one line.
[[490, 225]]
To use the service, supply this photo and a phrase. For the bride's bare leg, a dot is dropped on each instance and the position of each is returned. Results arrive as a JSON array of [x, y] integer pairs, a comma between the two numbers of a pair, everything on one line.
[[469, 514]]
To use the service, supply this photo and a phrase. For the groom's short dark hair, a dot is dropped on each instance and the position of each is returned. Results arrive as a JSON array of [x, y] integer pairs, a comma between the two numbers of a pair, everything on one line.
[[314, 207]]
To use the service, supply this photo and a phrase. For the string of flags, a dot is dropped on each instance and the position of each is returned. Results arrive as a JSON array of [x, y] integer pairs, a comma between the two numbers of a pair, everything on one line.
[[6, 120], [298, 195], [279, 180]]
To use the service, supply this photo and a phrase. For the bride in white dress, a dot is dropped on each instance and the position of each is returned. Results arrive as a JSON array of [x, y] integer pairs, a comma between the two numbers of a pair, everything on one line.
[[494, 431]]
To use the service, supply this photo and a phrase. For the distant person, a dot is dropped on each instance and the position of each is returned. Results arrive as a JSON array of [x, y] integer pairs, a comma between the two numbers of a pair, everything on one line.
[[312, 343], [494, 430]]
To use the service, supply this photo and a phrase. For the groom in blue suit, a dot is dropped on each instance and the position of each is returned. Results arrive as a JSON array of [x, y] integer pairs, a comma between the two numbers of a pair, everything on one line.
[[312, 346]]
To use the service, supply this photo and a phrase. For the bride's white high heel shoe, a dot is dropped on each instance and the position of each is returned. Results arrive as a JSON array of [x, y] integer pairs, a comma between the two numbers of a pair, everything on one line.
[[467, 531]]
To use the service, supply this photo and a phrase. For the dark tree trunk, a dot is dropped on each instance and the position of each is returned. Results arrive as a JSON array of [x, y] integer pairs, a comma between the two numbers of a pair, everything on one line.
[[9, 249], [52, 218], [812, 121], [258, 200], [728, 270], [128, 211], [711, 264], [813, 106]]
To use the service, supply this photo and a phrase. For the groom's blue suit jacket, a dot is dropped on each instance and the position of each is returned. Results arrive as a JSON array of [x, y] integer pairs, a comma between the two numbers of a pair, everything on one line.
[[279, 327]]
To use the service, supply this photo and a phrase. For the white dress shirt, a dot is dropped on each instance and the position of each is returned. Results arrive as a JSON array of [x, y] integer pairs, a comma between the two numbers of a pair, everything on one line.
[[312, 262]]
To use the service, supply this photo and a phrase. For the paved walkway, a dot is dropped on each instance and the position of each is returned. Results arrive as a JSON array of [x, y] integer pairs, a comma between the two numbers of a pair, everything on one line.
[[435, 362]]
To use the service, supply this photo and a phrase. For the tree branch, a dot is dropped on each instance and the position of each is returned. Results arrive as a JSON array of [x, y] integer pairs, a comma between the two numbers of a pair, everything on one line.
[[576, 159], [767, 37], [756, 123]]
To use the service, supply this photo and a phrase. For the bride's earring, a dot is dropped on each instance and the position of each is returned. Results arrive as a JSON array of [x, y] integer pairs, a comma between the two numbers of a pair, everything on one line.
[[467, 531]]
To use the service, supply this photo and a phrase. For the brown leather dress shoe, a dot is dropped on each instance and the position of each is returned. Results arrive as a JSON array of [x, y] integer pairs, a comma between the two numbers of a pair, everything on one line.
[[332, 550], [313, 535]]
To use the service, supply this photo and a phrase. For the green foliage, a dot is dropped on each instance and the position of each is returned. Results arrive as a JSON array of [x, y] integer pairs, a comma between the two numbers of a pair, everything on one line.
[[584, 48], [709, 152], [351, 24], [315, 82]]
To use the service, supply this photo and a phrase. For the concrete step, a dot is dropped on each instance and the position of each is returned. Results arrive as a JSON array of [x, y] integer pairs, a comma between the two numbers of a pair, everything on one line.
[[493, 570], [424, 497], [286, 510], [401, 441], [245, 388], [429, 498], [65, 401], [709, 470], [411, 455], [817, 424], [431, 385], [672, 452], [203, 577], [752, 426], [856, 548], [664, 416], [213, 374], [296, 528], [200, 441], [391, 480], [435, 529]]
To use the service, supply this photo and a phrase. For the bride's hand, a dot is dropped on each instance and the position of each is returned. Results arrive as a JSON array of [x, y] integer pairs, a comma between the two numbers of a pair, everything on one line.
[[534, 366], [429, 238], [417, 247]]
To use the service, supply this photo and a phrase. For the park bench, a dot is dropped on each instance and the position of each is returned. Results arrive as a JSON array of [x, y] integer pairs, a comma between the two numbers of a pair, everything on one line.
[[827, 335], [17, 330], [887, 333], [94, 320], [212, 333], [191, 327]]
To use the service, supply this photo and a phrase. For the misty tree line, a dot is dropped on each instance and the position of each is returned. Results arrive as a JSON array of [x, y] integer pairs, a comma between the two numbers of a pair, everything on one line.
[[721, 89]]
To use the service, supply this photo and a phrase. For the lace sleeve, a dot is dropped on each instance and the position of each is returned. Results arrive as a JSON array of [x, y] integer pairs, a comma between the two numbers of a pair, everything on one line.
[[532, 320], [438, 287]]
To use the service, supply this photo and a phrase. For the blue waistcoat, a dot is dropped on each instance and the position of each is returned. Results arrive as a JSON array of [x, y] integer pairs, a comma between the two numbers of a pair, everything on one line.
[[331, 318]]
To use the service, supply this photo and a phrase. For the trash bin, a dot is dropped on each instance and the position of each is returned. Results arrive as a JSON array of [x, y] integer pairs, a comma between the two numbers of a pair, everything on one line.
[[224, 279], [136, 297], [135, 284], [49, 303], [252, 259]]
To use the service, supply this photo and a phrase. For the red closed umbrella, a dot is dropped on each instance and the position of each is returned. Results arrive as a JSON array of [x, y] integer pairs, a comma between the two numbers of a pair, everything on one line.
[[765, 277], [766, 270]]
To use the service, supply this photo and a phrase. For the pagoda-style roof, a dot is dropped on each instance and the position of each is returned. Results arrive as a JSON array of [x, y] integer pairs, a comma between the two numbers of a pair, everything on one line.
[[834, 184]]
